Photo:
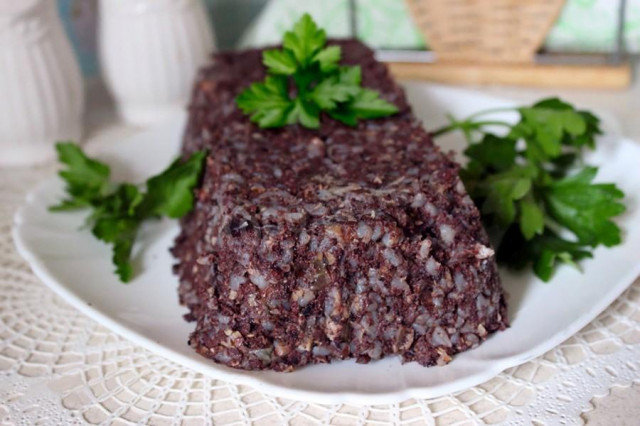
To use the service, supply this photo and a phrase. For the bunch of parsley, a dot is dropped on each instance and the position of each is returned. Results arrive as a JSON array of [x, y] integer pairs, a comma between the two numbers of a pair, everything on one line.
[[537, 199], [120, 209], [320, 84]]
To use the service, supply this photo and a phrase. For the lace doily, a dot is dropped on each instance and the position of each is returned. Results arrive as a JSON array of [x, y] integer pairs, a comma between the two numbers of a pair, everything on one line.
[[57, 366]]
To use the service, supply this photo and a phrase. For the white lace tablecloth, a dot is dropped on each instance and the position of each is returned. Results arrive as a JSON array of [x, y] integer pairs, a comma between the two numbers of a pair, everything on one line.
[[57, 366]]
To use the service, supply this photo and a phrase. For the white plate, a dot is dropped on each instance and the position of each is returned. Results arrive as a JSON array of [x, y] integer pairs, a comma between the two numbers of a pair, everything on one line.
[[78, 267]]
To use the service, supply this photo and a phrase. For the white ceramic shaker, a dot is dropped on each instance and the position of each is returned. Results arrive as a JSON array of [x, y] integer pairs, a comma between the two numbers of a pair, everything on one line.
[[41, 88], [150, 51]]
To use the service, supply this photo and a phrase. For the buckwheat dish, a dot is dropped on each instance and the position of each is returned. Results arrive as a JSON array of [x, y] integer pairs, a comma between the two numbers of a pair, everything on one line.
[[308, 246]]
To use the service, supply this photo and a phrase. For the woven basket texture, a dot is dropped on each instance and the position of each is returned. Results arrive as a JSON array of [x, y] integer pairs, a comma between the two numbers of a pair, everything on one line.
[[485, 31]]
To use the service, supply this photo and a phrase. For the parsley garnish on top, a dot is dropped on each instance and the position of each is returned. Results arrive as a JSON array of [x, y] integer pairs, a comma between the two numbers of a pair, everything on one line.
[[537, 199], [320, 83], [120, 209]]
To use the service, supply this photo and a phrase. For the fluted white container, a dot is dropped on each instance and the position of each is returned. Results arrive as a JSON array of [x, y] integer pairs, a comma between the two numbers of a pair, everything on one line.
[[150, 51], [41, 88]]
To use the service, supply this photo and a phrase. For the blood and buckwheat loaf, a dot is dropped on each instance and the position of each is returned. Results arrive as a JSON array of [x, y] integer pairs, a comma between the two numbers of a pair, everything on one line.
[[307, 246]]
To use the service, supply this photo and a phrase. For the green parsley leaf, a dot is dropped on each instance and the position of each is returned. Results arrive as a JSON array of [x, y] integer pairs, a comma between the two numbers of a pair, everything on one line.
[[86, 179], [307, 113], [344, 115], [527, 188], [279, 62], [586, 208], [531, 219], [551, 250], [588, 138], [350, 75], [545, 127], [320, 83], [123, 202], [331, 91], [119, 210], [368, 104], [553, 104], [171, 192], [122, 249], [493, 151], [503, 189], [305, 40], [116, 222], [268, 102], [328, 58]]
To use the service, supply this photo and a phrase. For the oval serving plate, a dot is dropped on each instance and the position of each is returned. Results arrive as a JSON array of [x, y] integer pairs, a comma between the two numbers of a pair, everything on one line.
[[77, 266]]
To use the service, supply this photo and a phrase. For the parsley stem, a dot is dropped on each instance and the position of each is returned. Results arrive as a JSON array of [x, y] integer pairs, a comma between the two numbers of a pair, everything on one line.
[[468, 122], [467, 125], [492, 123], [445, 129], [490, 111]]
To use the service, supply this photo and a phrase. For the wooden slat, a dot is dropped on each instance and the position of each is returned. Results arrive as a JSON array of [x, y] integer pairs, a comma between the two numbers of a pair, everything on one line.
[[535, 75]]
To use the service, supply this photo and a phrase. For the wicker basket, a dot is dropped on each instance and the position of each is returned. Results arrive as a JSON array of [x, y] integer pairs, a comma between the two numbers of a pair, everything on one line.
[[485, 31]]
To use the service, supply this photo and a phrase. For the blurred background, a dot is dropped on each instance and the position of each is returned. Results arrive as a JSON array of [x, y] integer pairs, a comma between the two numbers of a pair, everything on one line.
[[146, 53], [582, 26]]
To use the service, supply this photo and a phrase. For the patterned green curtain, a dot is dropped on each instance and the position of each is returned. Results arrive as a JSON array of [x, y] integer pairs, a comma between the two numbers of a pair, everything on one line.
[[584, 25]]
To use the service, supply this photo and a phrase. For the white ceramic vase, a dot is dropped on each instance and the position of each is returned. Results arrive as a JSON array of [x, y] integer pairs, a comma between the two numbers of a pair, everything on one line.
[[150, 51], [41, 88]]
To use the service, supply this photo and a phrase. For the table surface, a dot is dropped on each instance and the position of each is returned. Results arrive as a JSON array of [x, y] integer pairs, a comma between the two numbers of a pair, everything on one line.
[[57, 366]]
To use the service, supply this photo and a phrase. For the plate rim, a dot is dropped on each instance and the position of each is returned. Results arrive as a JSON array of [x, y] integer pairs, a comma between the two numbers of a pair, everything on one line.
[[489, 369], [485, 368]]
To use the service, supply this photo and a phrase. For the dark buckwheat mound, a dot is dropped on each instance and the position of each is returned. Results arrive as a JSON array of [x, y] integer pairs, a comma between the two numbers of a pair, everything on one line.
[[308, 246]]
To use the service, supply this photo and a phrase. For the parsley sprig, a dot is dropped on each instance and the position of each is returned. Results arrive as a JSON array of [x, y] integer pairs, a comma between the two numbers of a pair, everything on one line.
[[320, 84], [537, 198], [118, 210]]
